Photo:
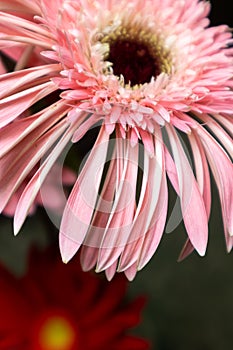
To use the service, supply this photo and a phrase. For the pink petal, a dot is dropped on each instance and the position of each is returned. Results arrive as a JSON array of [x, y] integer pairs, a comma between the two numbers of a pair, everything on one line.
[[31, 190], [192, 204], [103, 209], [12, 134], [149, 197], [91, 244], [24, 79], [226, 121], [186, 250], [221, 167], [14, 105], [16, 165], [81, 202], [88, 257], [202, 171], [85, 126], [154, 235], [131, 272], [219, 132], [111, 270], [148, 142], [171, 170], [121, 217]]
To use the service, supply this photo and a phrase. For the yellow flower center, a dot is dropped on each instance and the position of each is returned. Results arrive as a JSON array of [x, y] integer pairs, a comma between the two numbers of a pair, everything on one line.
[[57, 333]]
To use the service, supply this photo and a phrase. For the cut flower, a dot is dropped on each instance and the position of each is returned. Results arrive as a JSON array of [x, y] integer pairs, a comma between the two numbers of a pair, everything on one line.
[[146, 72]]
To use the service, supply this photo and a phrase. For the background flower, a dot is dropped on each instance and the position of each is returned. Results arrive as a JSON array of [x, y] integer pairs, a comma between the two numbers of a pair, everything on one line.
[[59, 307]]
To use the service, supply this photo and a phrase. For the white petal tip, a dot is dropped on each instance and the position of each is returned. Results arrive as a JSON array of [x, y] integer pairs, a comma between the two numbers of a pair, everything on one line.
[[131, 273], [68, 248], [143, 262], [16, 228], [85, 268], [130, 277], [201, 252], [16, 232], [200, 249], [66, 259], [229, 247], [141, 266], [98, 270], [109, 276]]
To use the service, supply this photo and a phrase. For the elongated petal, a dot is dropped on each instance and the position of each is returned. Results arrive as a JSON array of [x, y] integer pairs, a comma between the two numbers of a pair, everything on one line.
[[121, 217], [153, 236], [12, 134], [11, 107], [110, 271], [13, 171], [192, 204], [81, 202], [221, 167], [88, 257], [24, 79], [149, 197], [171, 170], [202, 171], [131, 271], [92, 242], [219, 132], [31, 190], [186, 250]]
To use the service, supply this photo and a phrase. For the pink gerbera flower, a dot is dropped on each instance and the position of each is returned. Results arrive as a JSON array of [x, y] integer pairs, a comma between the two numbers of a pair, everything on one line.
[[145, 72]]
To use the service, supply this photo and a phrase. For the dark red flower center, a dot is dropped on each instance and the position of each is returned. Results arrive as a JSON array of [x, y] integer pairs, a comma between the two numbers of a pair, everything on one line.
[[138, 54], [134, 61]]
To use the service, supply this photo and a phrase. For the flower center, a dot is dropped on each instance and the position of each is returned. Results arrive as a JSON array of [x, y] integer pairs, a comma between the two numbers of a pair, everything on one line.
[[56, 332], [136, 54]]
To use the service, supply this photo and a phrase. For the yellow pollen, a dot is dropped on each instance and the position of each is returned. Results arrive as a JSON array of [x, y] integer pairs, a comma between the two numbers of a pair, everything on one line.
[[57, 333]]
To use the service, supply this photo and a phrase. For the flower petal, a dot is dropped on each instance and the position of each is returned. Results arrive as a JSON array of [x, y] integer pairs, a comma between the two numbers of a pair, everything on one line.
[[82, 200], [192, 204], [154, 234], [221, 167], [121, 217], [14, 105], [17, 164], [12, 134], [148, 200], [202, 171], [31, 190]]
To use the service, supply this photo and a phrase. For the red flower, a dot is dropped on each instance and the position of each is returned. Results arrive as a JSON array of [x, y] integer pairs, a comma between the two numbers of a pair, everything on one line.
[[59, 307]]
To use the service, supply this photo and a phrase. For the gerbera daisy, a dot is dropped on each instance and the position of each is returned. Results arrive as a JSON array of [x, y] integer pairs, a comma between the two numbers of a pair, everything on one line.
[[146, 72], [59, 307]]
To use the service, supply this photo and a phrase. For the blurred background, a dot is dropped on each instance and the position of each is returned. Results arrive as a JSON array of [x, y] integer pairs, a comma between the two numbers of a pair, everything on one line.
[[189, 304]]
